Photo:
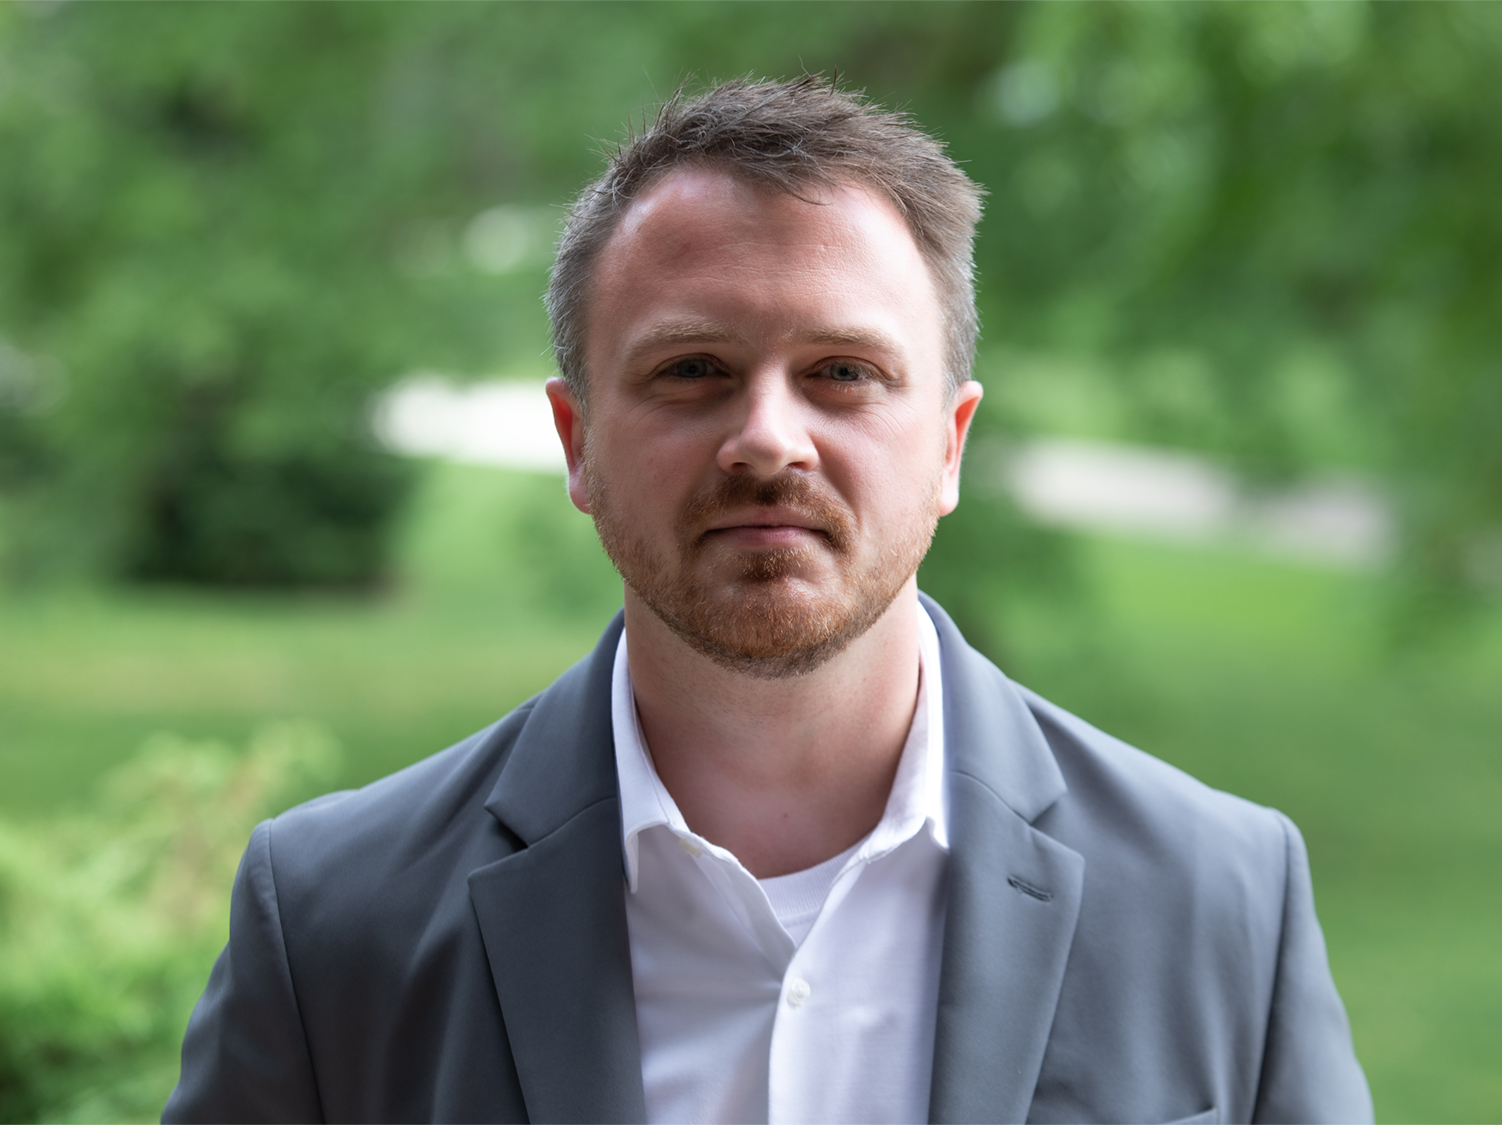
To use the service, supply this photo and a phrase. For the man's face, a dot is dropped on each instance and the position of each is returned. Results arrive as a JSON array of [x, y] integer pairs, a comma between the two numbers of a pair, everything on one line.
[[768, 443]]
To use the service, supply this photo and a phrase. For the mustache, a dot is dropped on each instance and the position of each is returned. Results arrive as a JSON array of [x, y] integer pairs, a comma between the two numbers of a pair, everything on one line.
[[786, 490]]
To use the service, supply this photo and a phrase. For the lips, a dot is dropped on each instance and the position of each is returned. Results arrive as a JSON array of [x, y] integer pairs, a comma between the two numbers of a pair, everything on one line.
[[778, 516], [769, 512]]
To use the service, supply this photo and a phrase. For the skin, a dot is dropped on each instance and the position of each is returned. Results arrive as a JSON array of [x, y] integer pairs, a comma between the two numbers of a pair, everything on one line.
[[734, 331]]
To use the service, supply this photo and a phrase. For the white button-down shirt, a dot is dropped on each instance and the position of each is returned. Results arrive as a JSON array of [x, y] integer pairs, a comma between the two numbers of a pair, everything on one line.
[[807, 997]]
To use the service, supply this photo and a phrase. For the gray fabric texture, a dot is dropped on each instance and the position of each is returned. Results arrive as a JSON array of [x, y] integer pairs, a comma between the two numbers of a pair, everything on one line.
[[1122, 942]]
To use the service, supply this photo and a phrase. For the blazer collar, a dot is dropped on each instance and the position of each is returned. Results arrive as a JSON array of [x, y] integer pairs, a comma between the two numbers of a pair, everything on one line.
[[553, 913], [563, 760], [990, 734]]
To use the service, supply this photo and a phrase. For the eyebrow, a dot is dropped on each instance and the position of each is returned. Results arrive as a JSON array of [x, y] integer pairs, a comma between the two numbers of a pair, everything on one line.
[[850, 337], [678, 332], [674, 333]]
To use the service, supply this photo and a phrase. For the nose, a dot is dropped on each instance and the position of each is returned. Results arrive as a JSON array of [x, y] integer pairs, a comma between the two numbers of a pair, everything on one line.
[[771, 431]]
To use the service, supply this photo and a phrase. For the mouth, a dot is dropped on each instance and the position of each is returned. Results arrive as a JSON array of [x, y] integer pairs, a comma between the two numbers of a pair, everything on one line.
[[766, 516], [789, 514], [767, 527]]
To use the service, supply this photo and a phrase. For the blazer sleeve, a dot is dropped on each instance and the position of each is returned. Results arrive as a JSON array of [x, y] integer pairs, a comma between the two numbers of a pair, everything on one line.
[[1309, 1067], [245, 1055]]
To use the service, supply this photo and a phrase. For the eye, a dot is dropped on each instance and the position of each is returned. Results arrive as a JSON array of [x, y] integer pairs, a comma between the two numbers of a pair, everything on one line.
[[692, 367], [846, 371]]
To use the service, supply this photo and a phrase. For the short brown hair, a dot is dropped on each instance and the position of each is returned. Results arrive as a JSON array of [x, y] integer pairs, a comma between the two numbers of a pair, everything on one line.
[[784, 136]]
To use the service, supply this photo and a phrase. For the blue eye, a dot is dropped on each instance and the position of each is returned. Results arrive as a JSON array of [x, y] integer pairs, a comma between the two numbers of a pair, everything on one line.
[[692, 368], [845, 372]]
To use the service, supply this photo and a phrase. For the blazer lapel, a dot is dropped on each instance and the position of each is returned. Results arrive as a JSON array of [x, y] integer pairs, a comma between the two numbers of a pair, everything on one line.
[[1014, 895], [553, 914]]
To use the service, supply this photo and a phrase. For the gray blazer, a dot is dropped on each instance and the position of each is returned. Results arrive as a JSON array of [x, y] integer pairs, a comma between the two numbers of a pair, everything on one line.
[[449, 943]]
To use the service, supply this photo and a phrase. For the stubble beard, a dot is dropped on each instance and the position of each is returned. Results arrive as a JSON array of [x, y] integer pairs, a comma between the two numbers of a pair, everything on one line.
[[767, 620]]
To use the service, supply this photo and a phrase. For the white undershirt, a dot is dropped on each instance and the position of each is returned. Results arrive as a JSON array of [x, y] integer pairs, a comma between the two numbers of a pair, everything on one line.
[[797, 898], [806, 997]]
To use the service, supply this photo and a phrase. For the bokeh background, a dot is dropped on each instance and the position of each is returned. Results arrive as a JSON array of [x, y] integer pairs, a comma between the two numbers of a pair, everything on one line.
[[275, 516]]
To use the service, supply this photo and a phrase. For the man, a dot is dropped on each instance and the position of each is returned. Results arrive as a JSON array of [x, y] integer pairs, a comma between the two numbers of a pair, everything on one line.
[[784, 847]]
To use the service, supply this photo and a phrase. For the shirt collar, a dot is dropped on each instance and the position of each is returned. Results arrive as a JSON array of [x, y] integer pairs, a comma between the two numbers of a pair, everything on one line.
[[645, 801], [918, 799]]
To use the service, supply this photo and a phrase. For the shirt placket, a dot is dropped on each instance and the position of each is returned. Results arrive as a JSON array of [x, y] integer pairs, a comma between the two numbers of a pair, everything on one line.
[[803, 1030]]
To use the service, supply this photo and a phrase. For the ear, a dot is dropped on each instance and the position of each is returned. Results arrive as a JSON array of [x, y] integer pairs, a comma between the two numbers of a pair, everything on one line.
[[957, 418], [568, 420]]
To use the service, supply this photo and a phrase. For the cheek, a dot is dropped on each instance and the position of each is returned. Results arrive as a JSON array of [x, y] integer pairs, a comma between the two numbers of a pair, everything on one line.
[[645, 471], [894, 493], [897, 463]]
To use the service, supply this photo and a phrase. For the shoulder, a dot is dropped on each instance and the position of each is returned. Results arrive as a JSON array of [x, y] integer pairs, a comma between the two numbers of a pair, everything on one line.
[[427, 818], [1152, 832], [1123, 810], [397, 855], [1118, 780]]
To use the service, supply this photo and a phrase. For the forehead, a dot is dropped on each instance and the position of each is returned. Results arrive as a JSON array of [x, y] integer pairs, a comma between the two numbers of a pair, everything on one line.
[[702, 243]]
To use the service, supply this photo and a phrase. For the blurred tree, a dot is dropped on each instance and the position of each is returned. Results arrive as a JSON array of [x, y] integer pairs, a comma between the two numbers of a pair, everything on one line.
[[1276, 224], [183, 231], [1267, 229]]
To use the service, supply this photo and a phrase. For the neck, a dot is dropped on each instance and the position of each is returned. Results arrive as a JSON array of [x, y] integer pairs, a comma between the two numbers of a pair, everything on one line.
[[782, 773]]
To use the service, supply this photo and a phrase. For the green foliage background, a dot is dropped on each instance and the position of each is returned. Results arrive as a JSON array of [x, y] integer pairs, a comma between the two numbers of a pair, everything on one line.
[[1266, 232], [109, 918]]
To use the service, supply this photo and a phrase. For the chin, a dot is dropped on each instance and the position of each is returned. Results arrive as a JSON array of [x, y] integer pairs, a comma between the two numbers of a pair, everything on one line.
[[768, 625]]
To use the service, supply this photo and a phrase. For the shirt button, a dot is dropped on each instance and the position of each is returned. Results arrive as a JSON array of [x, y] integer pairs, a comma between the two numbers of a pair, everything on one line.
[[798, 992]]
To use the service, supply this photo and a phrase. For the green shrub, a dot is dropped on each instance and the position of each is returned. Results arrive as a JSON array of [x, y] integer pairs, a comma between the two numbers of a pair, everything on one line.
[[110, 919]]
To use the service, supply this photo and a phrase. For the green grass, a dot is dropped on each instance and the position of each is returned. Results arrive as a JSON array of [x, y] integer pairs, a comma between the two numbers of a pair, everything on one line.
[[1269, 680], [478, 624], [84, 681]]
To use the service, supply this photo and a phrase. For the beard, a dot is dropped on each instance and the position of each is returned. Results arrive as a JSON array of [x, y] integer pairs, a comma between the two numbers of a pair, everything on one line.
[[758, 613]]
